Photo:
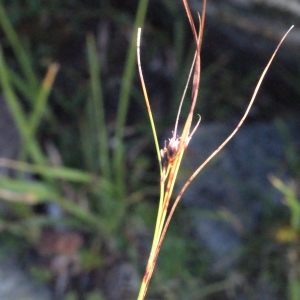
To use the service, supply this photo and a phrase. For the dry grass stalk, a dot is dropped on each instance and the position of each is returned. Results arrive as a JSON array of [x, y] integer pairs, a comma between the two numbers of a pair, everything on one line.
[[170, 156]]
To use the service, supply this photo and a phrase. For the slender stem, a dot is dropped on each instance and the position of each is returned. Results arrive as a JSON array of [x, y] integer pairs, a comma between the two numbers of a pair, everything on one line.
[[147, 100], [172, 171], [218, 149], [126, 87], [98, 108], [17, 112], [20, 52]]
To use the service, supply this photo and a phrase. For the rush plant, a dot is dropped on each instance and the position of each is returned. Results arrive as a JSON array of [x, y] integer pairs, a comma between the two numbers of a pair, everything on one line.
[[170, 157]]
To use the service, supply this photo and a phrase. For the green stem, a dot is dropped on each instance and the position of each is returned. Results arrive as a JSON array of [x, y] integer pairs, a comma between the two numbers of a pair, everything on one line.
[[21, 54], [98, 106], [17, 112], [126, 87]]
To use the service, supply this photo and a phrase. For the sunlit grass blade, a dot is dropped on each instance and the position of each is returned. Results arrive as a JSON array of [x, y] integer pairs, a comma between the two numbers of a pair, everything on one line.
[[147, 100], [39, 108], [72, 175], [25, 191], [291, 200]]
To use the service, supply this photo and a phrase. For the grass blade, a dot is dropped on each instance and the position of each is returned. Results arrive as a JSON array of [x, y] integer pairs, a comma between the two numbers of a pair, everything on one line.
[[17, 112], [98, 109], [126, 87], [22, 56]]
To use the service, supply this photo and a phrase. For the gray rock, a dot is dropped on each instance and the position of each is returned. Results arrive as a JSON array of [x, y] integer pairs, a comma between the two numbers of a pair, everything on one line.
[[255, 25], [122, 282], [17, 284], [229, 195]]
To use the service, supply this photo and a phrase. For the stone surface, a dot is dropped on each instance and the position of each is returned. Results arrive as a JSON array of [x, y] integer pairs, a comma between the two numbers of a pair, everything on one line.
[[232, 192], [122, 282], [17, 284], [255, 25]]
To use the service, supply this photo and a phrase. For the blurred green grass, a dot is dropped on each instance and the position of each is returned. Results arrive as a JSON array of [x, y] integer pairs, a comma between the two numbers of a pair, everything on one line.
[[107, 173], [113, 175]]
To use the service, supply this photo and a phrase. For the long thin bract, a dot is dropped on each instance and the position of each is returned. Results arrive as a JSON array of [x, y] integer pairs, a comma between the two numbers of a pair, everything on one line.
[[225, 141]]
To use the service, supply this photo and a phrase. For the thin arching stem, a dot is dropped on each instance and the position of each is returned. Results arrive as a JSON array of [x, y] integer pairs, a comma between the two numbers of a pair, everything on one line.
[[223, 144], [184, 94], [147, 99]]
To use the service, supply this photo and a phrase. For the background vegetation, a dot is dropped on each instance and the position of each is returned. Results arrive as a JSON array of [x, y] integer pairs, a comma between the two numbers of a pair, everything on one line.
[[86, 173]]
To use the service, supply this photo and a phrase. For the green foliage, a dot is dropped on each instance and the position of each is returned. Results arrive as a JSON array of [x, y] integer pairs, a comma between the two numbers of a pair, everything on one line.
[[109, 186], [290, 235], [108, 190]]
